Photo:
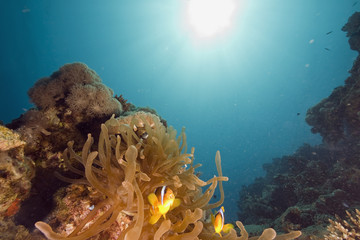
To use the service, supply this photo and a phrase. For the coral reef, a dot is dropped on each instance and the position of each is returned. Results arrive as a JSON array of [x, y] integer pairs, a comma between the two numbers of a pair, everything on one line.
[[304, 190], [100, 186], [9, 139], [69, 103], [352, 28], [342, 229], [337, 117], [126, 106], [78, 87], [16, 172], [136, 155], [47, 129], [300, 190]]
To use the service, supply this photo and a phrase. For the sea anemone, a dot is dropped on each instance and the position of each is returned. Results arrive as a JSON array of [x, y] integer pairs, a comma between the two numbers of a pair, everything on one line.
[[136, 155]]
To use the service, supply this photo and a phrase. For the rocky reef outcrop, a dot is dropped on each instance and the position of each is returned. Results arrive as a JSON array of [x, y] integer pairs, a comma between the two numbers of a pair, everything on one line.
[[16, 174], [304, 190], [337, 117]]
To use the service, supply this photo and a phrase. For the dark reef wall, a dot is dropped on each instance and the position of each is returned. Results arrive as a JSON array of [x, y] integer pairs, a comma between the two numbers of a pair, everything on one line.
[[304, 190], [337, 117]]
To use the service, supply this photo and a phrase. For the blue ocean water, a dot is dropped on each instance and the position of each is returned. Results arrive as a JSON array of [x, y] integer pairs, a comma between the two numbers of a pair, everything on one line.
[[244, 93]]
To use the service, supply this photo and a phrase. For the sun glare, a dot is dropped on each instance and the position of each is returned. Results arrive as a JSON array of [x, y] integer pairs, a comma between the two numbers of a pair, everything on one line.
[[210, 17]]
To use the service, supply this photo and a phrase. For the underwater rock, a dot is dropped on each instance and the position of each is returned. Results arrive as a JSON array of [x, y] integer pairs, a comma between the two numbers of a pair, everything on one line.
[[304, 190], [299, 191], [9, 230], [16, 172], [352, 29], [9, 139], [74, 203], [329, 203], [337, 117]]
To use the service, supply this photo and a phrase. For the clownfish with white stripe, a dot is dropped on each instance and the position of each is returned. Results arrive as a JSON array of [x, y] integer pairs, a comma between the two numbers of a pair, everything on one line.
[[162, 201], [218, 222]]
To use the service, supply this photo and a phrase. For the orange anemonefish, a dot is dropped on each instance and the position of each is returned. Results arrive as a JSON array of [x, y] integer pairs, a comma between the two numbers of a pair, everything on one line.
[[162, 201], [218, 222]]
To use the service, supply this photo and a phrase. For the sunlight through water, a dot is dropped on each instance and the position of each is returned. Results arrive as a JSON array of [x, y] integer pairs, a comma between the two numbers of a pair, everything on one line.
[[210, 17]]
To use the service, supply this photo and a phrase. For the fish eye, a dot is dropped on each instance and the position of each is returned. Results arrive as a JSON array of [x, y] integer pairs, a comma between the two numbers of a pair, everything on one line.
[[145, 135]]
